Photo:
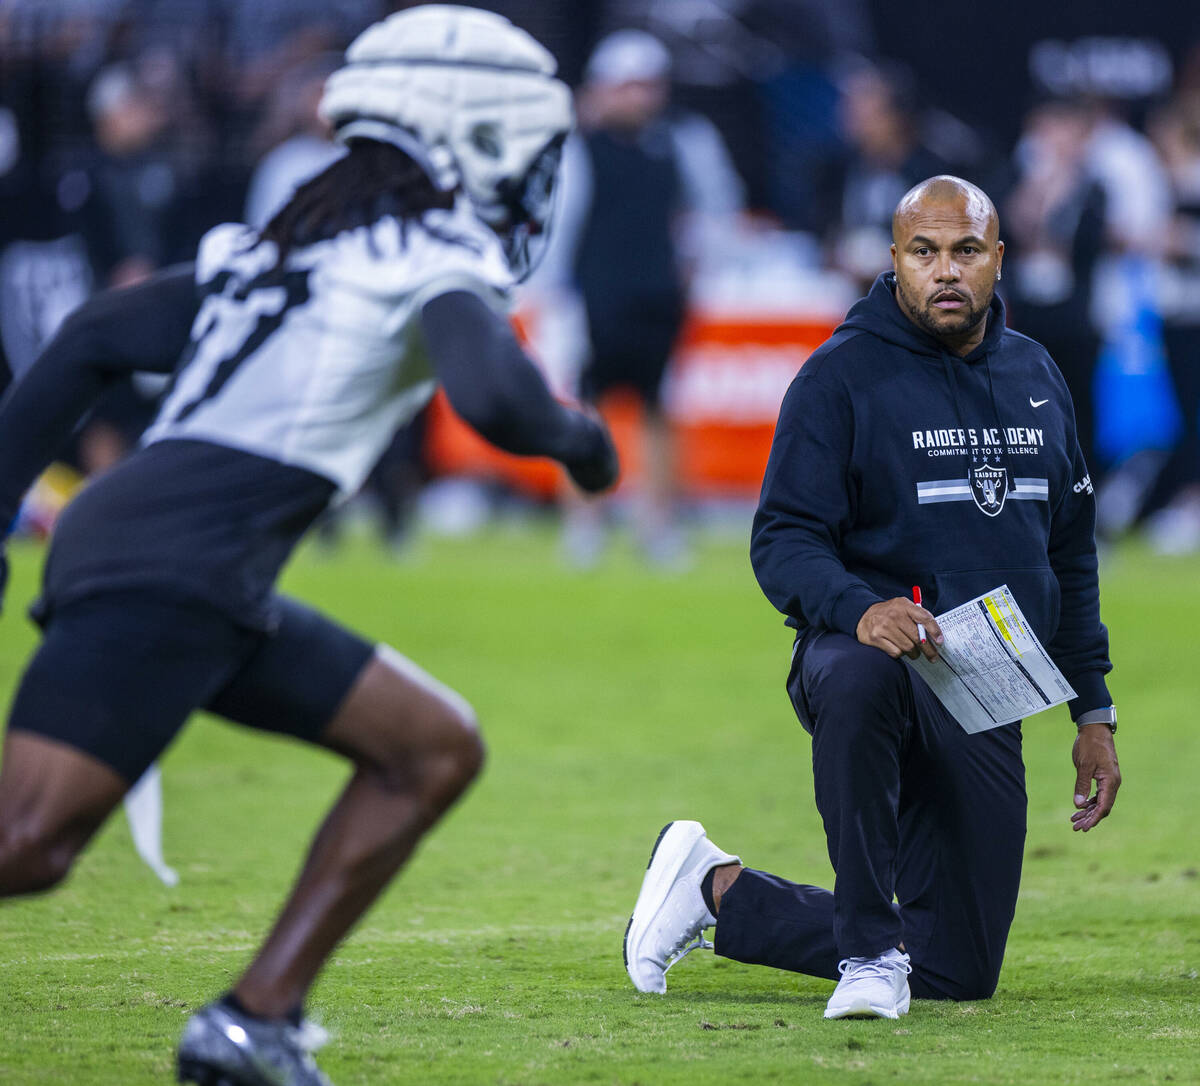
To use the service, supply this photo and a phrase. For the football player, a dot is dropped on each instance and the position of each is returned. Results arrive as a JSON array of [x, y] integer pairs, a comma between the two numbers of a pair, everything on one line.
[[296, 354]]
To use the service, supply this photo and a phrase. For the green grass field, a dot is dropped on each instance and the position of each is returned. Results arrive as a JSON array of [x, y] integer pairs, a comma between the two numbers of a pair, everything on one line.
[[612, 703]]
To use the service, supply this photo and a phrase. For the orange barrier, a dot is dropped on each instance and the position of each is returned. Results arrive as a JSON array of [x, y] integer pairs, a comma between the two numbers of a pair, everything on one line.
[[727, 380]]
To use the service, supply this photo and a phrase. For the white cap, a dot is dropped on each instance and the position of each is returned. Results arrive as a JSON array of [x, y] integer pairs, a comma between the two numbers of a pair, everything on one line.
[[626, 56]]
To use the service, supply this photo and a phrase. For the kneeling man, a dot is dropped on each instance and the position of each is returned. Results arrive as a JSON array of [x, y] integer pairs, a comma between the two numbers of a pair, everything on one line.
[[923, 444]]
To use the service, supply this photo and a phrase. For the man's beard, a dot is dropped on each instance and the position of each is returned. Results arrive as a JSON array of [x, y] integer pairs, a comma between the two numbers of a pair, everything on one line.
[[966, 320]]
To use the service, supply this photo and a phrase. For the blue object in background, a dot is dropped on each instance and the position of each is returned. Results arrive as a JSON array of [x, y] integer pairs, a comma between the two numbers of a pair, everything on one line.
[[1135, 403]]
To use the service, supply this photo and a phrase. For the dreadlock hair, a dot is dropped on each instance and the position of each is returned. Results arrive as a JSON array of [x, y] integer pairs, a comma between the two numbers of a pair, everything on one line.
[[370, 181]]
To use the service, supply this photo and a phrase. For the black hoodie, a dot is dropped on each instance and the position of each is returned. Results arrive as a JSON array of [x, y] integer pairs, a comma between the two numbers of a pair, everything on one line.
[[897, 463]]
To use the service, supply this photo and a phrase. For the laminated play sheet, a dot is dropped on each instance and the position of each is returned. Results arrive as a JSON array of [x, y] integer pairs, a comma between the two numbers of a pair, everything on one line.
[[992, 669]]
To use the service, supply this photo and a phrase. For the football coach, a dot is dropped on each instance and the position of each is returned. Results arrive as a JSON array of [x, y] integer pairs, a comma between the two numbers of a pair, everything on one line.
[[923, 444]]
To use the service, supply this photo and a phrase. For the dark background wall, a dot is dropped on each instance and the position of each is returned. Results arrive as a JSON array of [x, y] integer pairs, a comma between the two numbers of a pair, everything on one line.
[[982, 62]]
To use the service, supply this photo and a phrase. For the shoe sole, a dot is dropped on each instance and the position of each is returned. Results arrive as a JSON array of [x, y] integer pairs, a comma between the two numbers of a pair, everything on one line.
[[659, 885], [868, 1011]]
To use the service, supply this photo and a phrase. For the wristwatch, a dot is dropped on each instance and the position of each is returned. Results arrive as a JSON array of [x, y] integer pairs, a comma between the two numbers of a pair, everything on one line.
[[1107, 715]]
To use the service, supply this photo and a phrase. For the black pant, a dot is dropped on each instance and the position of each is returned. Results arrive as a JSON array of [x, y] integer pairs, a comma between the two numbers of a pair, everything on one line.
[[915, 811]]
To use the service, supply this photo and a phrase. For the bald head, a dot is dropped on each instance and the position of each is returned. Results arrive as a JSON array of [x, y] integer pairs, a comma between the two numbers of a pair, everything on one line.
[[945, 192], [946, 251]]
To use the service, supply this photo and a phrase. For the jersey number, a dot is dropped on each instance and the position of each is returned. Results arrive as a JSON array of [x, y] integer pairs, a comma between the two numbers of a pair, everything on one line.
[[264, 302]]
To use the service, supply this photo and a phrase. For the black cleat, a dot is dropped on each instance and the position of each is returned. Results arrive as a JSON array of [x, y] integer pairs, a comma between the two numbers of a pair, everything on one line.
[[221, 1047]]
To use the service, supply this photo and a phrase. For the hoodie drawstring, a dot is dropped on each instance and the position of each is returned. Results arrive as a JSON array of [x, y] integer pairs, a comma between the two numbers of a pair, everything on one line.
[[1001, 458], [978, 459]]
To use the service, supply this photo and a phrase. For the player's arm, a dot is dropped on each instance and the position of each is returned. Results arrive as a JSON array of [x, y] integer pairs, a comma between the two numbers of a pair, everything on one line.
[[501, 394], [1080, 645], [116, 332], [805, 508]]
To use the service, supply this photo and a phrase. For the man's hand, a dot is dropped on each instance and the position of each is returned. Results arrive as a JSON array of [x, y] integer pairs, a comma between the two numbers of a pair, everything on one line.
[[1095, 757], [892, 626], [599, 470]]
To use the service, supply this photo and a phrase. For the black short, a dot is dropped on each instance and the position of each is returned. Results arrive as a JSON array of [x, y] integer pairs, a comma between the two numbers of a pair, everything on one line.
[[117, 675], [631, 348]]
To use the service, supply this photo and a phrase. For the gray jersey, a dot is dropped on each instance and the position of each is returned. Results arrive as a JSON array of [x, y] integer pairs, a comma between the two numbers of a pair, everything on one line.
[[317, 365]]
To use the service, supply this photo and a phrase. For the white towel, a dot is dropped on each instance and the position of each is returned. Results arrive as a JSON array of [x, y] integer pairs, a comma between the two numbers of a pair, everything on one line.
[[144, 809]]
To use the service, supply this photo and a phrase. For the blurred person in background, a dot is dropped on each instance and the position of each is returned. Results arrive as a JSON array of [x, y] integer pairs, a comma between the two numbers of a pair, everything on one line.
[[44, 268], [764, 72], [1175, 527], [130, 191], [642, 188], [46, 49], [132, 185], [798, 49], [1056, 216], [1137, 193], [884, 157], [74, 36], [10, 157], [1125, 298]]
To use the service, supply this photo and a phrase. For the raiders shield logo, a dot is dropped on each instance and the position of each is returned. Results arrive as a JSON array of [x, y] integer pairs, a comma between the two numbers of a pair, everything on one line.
[[989, 488]]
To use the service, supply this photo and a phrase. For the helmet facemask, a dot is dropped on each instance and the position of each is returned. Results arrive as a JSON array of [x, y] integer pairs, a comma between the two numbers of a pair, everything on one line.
[[528, 203]]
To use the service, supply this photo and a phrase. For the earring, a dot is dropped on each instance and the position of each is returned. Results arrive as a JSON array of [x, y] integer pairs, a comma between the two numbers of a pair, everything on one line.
[[998, 276]]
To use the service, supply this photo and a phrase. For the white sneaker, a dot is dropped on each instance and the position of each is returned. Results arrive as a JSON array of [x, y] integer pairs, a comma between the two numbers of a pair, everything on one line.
[[871, 987], [670, 912]]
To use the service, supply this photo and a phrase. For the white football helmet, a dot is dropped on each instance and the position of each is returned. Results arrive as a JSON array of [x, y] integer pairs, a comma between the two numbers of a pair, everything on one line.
[[473, 99]]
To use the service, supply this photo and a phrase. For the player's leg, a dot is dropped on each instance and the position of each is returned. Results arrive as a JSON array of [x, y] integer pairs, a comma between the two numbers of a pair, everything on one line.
[[857, 704], [649, 338], [959, 836], [585, 516], [414, 746], [415, 749], [690, 884], [53, 795], [962, 836], [113, 680], [659, 533], [53, 798], [911, 803], [763, 919]]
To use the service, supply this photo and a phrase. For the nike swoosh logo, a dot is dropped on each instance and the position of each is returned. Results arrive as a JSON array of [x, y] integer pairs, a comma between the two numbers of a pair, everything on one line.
[[1037, 403]]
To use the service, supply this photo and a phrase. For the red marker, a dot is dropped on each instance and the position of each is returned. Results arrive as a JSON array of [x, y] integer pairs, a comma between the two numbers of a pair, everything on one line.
[[917, 600]]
